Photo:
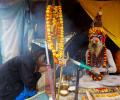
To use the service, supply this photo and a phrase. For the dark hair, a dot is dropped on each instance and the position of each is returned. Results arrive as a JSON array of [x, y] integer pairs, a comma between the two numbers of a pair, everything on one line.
[[38, 51]]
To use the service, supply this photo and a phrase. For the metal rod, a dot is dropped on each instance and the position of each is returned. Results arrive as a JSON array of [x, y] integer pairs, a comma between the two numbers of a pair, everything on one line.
[[61, 69], [77, 85], [55, 79], [50, 73]]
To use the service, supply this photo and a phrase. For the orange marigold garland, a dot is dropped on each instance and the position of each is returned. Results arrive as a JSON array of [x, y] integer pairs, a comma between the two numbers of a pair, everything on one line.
[[54, 32], [101, 75]]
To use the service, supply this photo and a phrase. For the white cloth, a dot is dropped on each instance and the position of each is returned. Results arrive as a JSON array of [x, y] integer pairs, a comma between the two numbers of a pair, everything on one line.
[[111, 64], [112, 67], [109, 80]]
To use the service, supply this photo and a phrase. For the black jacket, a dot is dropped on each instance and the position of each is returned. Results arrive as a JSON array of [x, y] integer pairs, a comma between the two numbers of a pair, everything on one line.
[[16, 73]]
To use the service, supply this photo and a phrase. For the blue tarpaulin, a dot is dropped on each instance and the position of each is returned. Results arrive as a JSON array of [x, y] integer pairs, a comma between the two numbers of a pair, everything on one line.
[[14, 29]]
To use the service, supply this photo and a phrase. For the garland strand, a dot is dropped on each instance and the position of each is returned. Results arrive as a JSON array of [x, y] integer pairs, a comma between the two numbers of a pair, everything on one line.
[[101, 75], [55, 36], [54, 31]]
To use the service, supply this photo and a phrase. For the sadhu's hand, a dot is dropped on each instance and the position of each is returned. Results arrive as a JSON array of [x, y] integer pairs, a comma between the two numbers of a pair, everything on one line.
[[95, 70]]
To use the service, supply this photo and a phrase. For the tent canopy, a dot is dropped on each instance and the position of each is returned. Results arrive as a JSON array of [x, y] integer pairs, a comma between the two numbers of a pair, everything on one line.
[[111, 15]]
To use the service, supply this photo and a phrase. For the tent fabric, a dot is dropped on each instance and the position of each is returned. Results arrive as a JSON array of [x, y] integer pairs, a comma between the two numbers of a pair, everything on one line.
[[6, 3], [13, 30], [110, 18], [22, 23]]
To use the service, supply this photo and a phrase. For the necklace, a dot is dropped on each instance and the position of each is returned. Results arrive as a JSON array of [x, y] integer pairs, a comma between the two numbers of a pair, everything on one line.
[[96, 62], [54, 31]]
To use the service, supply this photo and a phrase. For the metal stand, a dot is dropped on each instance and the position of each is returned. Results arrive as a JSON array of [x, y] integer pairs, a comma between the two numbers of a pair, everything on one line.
[[77, 85]]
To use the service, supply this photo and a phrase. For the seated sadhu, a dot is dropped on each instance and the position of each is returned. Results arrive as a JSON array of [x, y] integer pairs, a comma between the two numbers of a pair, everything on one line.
[[19, 75], [97, 55]]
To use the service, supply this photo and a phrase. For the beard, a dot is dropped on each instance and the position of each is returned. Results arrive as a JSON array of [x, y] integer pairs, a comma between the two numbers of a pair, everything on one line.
[[95, 47]]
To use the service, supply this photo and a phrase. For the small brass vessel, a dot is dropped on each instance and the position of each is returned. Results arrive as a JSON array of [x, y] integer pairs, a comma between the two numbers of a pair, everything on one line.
[[64, 92], [64, 89], [64, 86]]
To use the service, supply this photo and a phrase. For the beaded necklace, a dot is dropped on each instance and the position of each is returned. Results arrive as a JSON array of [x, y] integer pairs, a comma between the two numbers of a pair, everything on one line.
[[96, 62]]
